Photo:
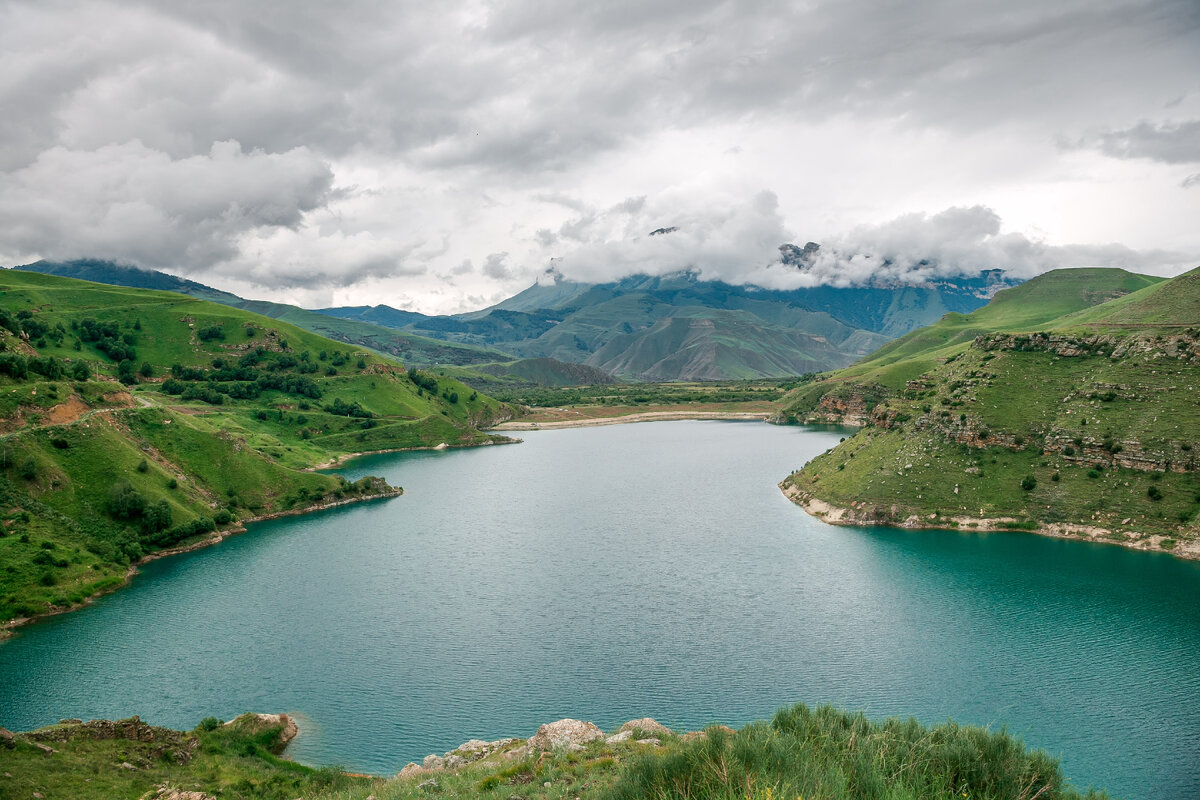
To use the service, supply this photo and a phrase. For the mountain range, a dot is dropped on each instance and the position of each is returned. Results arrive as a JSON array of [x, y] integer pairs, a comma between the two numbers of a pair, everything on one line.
[[679, 327], [640, 328]]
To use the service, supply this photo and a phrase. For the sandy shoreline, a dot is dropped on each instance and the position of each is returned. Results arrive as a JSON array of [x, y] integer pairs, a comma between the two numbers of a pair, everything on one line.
[[649, 416], [341, 461], [839, 515]]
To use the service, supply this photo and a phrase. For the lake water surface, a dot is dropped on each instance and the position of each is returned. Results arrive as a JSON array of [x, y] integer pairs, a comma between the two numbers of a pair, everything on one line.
[[628, 571]]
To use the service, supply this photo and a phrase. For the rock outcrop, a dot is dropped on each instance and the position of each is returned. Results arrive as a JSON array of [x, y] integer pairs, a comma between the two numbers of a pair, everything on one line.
[[569, 733], [646, 724], [253, 723]]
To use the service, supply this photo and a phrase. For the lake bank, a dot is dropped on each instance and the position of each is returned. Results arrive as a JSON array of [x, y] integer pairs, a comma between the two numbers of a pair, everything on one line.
[[518, 585], [867, 516], [8, 627]]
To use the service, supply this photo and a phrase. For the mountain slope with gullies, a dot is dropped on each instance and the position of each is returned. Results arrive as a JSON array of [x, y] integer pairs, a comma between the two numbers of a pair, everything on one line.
[[721, 331], [1083, 424], [134, 422]]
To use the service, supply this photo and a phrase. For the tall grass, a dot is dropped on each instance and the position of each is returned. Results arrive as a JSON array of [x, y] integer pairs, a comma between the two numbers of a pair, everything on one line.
[[829, 753]]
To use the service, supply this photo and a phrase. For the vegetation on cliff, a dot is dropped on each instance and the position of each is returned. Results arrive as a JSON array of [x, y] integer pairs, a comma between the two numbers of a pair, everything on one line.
[[1086, 424], [801, 752], [135, 420]]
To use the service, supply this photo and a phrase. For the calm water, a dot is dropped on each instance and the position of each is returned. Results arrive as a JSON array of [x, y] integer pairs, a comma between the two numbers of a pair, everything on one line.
[[626, 571]]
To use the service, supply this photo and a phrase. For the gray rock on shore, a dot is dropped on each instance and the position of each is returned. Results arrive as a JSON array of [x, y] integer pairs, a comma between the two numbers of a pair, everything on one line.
[[571, 734], [646, 724]]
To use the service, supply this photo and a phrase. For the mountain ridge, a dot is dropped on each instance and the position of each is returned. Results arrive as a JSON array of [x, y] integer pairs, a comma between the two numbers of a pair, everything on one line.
[[619, 326]]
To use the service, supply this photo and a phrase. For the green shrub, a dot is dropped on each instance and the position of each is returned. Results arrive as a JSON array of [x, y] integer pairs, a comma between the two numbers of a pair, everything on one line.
[[831, 753], [1029, 483]]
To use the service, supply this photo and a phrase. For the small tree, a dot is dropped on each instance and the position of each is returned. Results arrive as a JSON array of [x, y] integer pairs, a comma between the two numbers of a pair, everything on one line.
[[1028, 483], [126, 372]]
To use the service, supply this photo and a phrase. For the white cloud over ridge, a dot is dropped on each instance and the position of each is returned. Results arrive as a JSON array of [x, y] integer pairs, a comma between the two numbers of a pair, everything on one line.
[[440, 155], [740, 245]]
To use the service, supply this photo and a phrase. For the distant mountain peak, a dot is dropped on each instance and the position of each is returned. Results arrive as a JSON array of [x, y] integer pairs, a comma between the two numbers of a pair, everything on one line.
[[798, 256]]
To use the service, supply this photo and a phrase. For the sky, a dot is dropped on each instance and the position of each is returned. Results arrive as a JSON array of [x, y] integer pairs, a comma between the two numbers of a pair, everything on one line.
[[440, 157]]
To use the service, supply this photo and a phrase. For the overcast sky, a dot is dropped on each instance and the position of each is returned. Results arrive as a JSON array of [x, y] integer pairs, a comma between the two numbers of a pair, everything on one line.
[[441, 156]]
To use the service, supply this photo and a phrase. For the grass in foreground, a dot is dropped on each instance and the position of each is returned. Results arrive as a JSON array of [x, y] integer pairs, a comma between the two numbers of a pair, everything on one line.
[[823, 753]]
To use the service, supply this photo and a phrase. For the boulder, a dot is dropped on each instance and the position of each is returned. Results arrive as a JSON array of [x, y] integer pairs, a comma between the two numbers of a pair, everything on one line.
[[168, 792], [433, 762], [646, 724], [473, 747], [617, 738], [566, 733], [410, 769], [454, 762]]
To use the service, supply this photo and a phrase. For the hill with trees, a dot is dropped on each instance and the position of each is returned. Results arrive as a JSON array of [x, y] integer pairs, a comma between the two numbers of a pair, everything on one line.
[[136, 421]]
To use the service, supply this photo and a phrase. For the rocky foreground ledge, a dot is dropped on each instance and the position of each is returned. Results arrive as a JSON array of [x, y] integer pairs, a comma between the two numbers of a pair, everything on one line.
[[566, 735]]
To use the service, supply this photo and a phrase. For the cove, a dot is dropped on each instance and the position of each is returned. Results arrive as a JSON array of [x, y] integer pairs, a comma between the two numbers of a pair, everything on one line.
[[626, 571]]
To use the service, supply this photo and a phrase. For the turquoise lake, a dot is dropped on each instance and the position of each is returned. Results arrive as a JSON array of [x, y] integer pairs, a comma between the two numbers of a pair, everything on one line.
[[626, 571]]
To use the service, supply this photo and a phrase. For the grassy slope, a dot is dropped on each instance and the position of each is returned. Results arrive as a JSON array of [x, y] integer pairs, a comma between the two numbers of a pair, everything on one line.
[[67, 445], [1109, 441], [1022, 308], [407, 346], [800, 753], [361, 333], [234, 761]]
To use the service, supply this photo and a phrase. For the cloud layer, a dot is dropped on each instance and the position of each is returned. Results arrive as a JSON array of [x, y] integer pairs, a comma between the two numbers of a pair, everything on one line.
[[442, 154]]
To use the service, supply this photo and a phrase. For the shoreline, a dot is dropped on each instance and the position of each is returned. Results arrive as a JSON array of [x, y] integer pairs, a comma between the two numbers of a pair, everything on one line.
[[340, 461], [648, 416], [840, 515], [8, 628]]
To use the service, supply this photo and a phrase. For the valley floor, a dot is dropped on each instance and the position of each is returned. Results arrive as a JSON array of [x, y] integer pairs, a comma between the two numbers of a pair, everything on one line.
[[575, 415], [546, 419]]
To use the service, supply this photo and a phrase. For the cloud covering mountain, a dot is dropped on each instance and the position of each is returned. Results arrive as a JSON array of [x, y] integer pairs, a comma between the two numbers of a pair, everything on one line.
[[440, 156]]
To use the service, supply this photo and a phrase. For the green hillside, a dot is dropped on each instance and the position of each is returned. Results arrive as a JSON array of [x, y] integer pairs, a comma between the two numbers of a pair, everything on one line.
[[134, 420], [1024, 307], [1084, 425], [410, 348]]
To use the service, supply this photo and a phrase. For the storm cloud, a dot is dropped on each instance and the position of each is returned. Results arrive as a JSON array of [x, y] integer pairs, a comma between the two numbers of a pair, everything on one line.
[[442, 154]]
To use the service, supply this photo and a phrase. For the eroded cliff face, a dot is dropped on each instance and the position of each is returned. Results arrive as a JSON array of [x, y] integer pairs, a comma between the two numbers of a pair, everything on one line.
[[1183, 345], [1089, 436]]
